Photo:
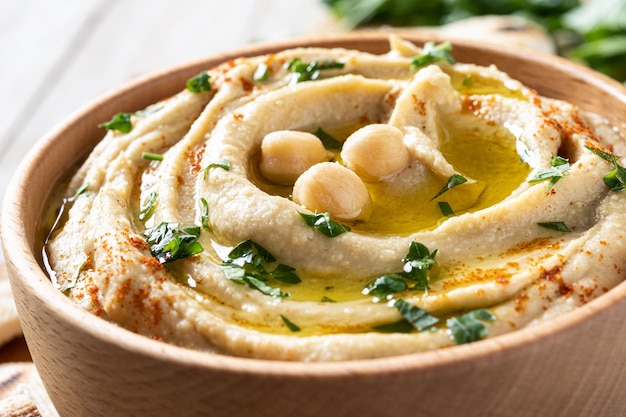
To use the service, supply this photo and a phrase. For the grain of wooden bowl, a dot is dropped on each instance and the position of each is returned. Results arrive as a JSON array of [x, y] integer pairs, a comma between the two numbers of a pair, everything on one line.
[[574, 365]]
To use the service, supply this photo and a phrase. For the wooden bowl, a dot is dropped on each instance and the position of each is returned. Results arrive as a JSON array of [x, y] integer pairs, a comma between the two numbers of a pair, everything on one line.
[[574, 365]]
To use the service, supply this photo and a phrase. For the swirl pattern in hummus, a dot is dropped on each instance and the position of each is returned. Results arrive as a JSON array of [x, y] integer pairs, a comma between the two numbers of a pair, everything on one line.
[[490, 252]]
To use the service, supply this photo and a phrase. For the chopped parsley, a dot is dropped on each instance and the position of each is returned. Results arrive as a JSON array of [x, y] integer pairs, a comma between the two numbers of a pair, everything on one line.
[[261, 73], [417, 317], [169, 242], [453, 181], [152, 156], [148, 206], [121, 122], [326, 299], [560, 168], [323, 223], [220, 163], [204, 215], [68, 286], [559, 226], [416, 264], [290, 325], [445, 208], [469, 327], [615, 179], [81, 190], [249, 264], [200, 83], [385, 285], [328, 141], [432, 54], [310, 71]]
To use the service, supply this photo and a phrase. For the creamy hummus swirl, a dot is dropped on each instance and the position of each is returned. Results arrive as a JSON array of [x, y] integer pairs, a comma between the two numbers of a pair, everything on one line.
[[524, 160]]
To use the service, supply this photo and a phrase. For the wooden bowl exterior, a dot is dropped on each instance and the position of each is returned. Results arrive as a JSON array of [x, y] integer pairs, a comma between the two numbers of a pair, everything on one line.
[[574, 365]]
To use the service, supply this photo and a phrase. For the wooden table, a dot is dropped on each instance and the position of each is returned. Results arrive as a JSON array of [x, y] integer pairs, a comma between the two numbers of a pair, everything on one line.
[[57, 56]]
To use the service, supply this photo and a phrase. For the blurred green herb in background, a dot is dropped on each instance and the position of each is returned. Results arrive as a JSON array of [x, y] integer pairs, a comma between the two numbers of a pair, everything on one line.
[[592, 32]]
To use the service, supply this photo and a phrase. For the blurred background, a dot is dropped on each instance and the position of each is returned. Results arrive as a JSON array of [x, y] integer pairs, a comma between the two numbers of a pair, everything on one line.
[[56, 56]]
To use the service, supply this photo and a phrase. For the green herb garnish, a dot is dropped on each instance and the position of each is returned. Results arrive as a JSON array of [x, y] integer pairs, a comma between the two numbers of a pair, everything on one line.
[[453, 181], [560, 168], [615, 179], [417, 263], [445, 208], [469, 327], [204, 216], [152, 156], [120, 122], [248, 263], [401, 326], [328, 141], [169, 242], [81, 190], [385, 285], [432, 54], [559, 226], [323, 223], [68, 286], [418, 318], [220, 163], [290, 325], [261, 73], [148, 206], [326, 299], [200, 83], [310, 71]]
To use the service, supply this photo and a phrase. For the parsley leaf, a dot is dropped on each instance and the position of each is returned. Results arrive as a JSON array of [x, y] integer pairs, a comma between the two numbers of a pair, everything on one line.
[[469, 327], [560, 168], [220, 163], [432, 53], [200, 83], [417, 263], [204, 216], [81, 190], [453, 181], [418, 318], [169, 242], [385, 285], [261, 73], [248, 263], [323, 223], [290, 325], [559, 226], [152, 156], [148, 206], [445, 208], [310, 71], [615, 179], [328, 141], [120, 122]]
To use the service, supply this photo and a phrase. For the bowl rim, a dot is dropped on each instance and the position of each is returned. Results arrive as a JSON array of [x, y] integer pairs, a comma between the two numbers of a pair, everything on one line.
[[21, 256]]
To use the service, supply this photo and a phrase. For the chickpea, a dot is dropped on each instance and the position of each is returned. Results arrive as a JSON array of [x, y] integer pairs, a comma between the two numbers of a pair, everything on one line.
[[331, 187], [376, 152], [286, 154]]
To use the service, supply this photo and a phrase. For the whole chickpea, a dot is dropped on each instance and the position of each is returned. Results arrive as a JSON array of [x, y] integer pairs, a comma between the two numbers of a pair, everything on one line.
[[329, 186], [376, 152], [286, 154]]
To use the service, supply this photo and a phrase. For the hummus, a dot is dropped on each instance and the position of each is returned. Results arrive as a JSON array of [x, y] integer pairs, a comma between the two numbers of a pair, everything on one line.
[[330, 204]]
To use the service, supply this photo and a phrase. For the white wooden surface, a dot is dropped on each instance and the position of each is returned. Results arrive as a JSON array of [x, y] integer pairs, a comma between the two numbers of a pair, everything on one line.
[[55, 56]]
